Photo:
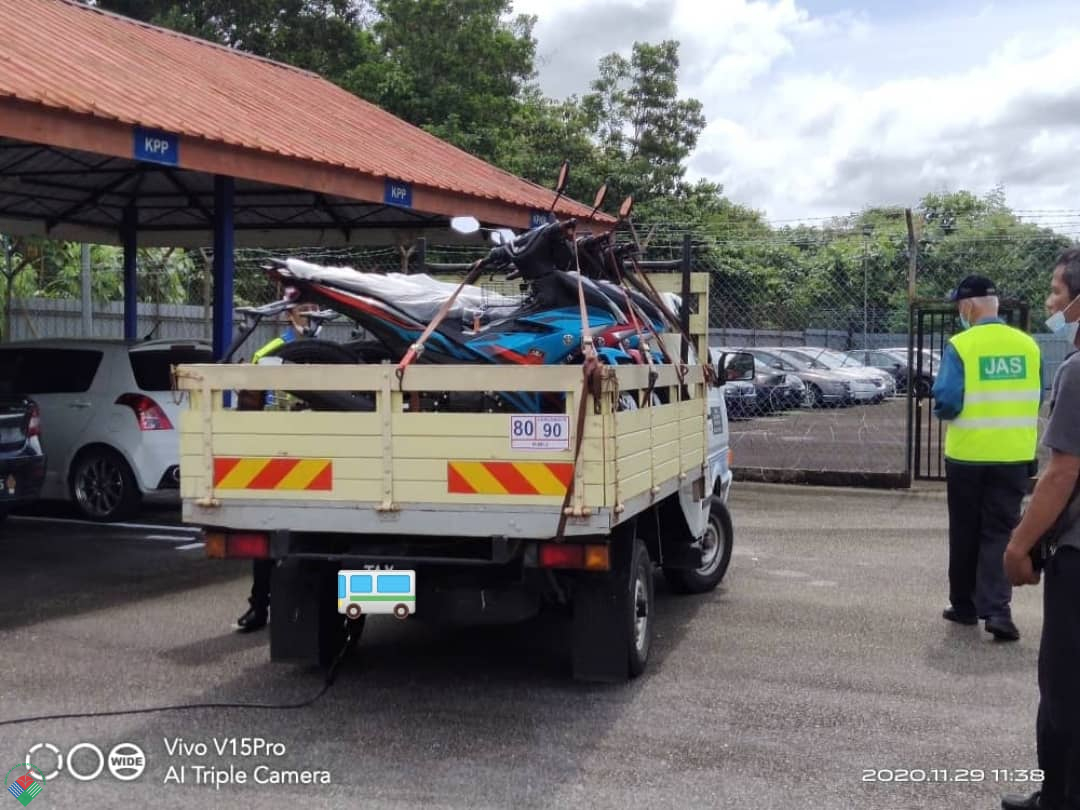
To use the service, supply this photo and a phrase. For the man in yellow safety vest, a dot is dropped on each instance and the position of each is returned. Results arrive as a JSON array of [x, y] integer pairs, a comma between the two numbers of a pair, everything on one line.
[[989, 390]]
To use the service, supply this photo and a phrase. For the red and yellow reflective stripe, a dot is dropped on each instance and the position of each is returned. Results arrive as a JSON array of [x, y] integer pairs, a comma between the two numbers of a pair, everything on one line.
[[312, 474], [508, 477]]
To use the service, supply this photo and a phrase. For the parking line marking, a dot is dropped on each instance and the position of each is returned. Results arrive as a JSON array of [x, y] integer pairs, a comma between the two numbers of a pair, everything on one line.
[[185, 530], [190, 546]]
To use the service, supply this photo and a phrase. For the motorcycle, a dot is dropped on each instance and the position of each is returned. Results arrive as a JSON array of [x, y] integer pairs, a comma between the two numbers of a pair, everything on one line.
[[547, 328]]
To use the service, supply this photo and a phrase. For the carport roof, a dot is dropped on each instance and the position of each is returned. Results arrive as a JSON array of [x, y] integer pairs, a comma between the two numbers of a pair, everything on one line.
[[79, 87]]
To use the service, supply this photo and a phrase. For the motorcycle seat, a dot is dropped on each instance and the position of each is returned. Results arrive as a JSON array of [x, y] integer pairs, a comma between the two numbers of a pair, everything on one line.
[[418, 295]]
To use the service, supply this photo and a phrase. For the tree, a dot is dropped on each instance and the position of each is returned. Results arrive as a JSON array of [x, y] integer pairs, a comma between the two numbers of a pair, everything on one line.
[[453, 67], [964, 234], [645, 131]]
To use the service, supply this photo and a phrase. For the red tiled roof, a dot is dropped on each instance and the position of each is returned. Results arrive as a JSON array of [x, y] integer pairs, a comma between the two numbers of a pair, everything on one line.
[[67, 56]]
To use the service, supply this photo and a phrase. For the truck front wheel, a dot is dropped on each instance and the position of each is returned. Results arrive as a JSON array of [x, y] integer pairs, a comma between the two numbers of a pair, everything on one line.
[[715, 546]]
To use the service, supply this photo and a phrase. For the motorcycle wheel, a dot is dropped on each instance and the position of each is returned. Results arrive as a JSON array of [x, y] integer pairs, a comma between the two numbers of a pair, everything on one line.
[[322, 352]]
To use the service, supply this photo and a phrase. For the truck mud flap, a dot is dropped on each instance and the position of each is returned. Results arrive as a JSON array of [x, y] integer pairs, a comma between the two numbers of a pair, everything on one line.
[[600, 636], [305, 626]]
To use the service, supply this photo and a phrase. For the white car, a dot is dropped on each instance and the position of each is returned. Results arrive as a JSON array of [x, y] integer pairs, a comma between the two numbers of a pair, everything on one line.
[[108, 416]]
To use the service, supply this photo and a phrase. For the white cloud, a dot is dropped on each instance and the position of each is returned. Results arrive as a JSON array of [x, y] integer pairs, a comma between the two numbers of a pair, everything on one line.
[[813, 115], [818, 145]]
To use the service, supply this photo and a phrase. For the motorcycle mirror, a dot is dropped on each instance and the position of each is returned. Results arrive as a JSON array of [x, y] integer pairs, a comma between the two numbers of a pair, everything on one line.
[[601, 195], [502, 236], [560, 184], [626, 207], [564, 178], [465, 225]]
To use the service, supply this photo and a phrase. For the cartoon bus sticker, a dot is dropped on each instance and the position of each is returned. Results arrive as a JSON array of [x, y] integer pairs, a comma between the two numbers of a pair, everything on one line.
[[363, 592]]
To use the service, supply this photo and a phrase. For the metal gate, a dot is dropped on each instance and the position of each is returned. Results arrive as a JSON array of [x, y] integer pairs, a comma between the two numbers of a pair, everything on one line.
[[932, 324]]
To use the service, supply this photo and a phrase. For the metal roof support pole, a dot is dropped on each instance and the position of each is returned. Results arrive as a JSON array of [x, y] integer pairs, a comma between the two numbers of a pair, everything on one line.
[[129, 233], [223, 264]]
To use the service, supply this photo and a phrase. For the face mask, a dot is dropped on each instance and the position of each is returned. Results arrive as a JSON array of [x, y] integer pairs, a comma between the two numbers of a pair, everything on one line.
[[964, 323], [1066, 331]]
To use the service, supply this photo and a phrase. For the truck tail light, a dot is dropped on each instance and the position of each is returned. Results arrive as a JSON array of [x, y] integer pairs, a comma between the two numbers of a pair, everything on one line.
[[237, 545], [148, 412], [33, 427], [573, 555]]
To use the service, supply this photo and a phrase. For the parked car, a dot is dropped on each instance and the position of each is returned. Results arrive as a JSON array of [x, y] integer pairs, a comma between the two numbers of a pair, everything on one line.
[[823, 386], [840, 361], [895, 362], [926, 364], [109, 414], [863, 388], [22, 460]]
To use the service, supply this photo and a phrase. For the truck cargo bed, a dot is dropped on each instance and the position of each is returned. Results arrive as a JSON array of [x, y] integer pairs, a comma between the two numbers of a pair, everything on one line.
[[394, 471]]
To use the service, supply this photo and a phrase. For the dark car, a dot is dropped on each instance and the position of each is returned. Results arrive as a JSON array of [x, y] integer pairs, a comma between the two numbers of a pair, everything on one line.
[[22, 462]]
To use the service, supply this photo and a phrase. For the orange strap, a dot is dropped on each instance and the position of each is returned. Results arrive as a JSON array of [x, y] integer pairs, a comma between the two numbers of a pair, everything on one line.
[[418, 348]]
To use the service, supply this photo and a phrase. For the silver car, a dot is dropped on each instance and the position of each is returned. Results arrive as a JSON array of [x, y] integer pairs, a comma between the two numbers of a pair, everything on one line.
[[823, 386], [840, 361], [864, 388]]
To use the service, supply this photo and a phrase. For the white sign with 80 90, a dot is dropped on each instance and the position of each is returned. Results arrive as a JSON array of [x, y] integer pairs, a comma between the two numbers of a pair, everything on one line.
[[539, 432]]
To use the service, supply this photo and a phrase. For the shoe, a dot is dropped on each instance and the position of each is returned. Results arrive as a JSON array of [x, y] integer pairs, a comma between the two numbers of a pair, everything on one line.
[[953, 615], [1002, 629], [1014, 801], [251, 621]]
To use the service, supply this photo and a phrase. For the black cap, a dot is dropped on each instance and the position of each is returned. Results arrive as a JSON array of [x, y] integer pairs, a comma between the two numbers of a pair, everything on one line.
[[973, 287]]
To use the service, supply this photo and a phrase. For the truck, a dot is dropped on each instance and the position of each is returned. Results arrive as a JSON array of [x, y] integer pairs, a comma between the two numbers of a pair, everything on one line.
[[493, 516]]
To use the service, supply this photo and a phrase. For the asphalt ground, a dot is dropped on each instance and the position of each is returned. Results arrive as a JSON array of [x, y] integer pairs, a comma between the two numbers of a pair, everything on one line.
[[819, 668]]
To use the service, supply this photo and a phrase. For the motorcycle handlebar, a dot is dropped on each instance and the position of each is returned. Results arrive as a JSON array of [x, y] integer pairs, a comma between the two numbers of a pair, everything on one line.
[[523, 245]]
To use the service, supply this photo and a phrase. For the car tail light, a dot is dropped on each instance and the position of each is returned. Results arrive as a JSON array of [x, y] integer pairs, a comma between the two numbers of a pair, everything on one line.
[[572, 555], [148, 412], [34, 427], [237, 546]]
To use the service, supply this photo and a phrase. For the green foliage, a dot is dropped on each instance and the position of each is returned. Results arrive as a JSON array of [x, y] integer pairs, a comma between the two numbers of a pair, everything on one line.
[[453, 67], [645, 132]]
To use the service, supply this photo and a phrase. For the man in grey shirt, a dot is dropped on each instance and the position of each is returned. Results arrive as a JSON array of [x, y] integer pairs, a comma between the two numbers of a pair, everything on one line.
[[1058, 724]]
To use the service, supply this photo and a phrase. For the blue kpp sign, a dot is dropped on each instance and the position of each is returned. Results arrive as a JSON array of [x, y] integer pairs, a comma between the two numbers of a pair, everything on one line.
[[155, 146], [398, 193], [538, 218]]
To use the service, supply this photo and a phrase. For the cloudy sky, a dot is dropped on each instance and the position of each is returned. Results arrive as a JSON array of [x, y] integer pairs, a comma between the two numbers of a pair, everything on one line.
[[821, 107]]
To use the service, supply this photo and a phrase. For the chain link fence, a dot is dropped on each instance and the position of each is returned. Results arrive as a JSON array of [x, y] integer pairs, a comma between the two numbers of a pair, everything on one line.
[[825, 306]]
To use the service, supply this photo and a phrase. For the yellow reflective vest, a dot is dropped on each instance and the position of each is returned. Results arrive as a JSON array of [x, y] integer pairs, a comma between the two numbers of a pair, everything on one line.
[[999, 421]]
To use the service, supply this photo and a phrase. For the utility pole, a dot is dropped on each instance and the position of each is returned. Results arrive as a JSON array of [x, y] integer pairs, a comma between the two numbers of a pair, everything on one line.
[[865, 285], [87, 294]]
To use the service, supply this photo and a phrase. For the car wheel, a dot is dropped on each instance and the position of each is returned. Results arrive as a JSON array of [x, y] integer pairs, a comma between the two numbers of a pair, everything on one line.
[[922, 389], [103, 486], [814, 396]]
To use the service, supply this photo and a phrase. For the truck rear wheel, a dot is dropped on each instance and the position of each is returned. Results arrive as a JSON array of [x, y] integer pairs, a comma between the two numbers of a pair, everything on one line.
[[715, 546], [614, 615]]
